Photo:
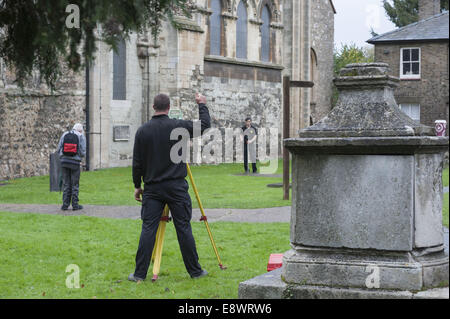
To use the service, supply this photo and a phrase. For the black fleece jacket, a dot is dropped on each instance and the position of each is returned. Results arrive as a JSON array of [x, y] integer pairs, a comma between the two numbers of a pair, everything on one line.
[[152, 145]]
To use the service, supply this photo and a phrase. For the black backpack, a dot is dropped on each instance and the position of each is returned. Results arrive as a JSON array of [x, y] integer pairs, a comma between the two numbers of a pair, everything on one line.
[[70, 144]]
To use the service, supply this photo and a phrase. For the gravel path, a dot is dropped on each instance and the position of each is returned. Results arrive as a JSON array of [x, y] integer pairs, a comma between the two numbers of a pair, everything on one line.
[[263, 215]]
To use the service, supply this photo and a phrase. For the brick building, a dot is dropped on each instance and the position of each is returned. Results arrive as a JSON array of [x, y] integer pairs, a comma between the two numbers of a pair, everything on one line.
[[233, 51], [418, 54]]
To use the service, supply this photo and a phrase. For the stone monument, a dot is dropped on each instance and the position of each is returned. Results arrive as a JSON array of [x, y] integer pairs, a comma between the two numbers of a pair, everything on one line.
[[367, 192]]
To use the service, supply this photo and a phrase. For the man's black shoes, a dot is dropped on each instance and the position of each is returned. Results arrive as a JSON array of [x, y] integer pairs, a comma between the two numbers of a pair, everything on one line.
[[132, 277], [76, 207], [202, 274]]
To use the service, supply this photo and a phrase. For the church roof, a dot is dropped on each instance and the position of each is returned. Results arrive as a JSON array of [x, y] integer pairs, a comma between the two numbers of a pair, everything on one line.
[[431, 29]]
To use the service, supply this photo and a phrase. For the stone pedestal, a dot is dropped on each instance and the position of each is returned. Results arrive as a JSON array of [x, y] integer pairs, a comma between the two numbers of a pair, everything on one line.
[[367, 199]]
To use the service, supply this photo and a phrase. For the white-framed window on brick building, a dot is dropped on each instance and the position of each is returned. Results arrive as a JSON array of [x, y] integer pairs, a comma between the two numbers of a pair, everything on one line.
[[120, 72], [410, 63], [412, 110]]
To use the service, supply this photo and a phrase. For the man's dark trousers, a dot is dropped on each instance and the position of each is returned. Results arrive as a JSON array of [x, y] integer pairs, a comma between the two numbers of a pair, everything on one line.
[[71, 182], [246, 160], [175, 194]]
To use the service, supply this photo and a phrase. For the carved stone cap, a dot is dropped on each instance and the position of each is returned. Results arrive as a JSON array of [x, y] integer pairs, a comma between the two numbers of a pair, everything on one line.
[[365, 75], [366, 107], [365, 69]]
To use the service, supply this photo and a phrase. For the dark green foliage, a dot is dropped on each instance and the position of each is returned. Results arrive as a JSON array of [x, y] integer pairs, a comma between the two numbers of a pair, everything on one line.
[[404, 12], [34, 35], [444, 5]]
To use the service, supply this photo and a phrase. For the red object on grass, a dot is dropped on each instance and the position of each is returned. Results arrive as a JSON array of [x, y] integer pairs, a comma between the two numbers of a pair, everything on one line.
[[275, 261]]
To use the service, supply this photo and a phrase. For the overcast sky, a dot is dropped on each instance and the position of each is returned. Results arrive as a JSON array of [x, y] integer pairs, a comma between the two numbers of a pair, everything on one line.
[[354, 19]]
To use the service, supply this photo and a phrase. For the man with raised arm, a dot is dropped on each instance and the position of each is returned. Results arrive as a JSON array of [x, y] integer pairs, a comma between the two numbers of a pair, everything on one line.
[[164, 183]]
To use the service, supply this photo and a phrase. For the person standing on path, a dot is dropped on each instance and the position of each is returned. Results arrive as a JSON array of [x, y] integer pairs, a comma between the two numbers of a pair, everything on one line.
[[164, 183], [71, 149], [250, 135]]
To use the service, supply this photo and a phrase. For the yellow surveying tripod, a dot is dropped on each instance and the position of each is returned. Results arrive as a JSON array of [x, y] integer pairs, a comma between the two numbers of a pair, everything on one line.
[[157, 249]]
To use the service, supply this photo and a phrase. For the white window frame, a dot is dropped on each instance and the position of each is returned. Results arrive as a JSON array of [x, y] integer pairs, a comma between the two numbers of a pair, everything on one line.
[[401, 105], [410, 76]]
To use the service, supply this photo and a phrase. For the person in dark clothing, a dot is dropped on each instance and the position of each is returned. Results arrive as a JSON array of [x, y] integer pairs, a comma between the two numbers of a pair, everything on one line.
[[250, 134], [164, 183], [70, 166]]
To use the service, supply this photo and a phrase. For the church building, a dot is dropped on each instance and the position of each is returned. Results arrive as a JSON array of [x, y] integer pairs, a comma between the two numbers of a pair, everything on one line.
[[235, 52]]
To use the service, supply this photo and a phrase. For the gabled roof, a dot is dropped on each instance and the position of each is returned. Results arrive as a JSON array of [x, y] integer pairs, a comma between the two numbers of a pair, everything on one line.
[[431, 29]]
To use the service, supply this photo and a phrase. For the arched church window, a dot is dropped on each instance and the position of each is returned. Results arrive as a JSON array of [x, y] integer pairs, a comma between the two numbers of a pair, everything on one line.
[[265, 34], [215, 31], [241, 31], [119, 72]]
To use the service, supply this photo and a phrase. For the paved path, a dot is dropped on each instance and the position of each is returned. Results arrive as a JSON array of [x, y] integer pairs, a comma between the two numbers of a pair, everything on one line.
[[262, 215]]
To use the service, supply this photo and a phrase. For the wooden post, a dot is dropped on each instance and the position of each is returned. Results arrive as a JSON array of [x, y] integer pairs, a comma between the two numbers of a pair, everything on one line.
[[286, 128], [287, 84]]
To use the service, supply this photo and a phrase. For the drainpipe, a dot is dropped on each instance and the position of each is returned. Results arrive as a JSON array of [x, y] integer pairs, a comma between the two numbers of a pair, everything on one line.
[[88, 126]]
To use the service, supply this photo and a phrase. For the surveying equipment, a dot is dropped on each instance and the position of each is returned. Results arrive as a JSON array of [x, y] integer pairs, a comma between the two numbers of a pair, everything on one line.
[[159, 241], [203, 218], [165, 218]]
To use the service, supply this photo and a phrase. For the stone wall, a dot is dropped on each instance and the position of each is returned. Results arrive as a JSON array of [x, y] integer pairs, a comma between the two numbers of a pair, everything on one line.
[[32, 121], [429, 8], [238, 91], [235, 88], [109, 117], [431, 90], [179, 64]]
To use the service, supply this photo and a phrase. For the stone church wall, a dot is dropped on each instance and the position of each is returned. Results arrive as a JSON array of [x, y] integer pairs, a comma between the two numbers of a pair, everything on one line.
[[178, 64], [33, 119]]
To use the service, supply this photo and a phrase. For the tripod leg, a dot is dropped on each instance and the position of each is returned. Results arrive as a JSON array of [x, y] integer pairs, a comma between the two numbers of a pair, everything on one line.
[[204, 216], [158, 233], [157, 250], [157, 240]]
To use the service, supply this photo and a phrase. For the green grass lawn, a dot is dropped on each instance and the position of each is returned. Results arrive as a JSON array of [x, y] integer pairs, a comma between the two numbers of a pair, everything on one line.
[[445, 215], [445, 218], [36, 249], [217, 185], [445, 176]]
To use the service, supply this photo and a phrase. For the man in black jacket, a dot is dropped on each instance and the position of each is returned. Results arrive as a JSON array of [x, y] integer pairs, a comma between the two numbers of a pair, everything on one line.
[[250, 135], [165, 183]]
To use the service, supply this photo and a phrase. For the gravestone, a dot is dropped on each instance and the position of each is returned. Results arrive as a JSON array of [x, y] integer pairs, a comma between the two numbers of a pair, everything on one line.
[[55, 173], [367, 201]]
